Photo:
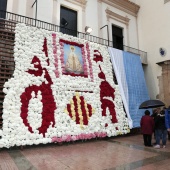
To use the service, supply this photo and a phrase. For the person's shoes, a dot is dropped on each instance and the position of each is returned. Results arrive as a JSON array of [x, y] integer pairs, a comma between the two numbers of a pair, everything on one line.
[[157, 147], [150, 145], [164, 146]]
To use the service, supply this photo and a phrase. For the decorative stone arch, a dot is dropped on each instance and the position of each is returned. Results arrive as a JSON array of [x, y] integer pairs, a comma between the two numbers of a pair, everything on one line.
[[122, 19], [123, 5], [81, 3], [165, 1], [115, 16]]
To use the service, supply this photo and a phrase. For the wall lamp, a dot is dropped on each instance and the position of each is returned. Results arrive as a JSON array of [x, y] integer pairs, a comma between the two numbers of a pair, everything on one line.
[[88, 30], [107, 32]]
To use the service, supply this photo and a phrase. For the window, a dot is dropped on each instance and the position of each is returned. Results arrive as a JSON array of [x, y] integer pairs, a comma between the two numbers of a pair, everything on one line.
[[3, 5], [68, 21], [117, 35]]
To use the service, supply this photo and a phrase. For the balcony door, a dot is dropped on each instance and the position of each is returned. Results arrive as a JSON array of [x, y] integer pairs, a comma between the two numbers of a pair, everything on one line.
[[117, 35], [3, 5], [68, 21]]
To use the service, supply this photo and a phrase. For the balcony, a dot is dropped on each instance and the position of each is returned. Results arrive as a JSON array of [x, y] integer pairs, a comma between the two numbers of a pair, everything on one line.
[[15, 18]]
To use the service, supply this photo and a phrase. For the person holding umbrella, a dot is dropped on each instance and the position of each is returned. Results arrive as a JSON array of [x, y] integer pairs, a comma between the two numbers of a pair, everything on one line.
[[147, 128]]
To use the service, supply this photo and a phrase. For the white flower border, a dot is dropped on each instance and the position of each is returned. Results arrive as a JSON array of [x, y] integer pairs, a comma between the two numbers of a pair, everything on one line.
[[28, 43]]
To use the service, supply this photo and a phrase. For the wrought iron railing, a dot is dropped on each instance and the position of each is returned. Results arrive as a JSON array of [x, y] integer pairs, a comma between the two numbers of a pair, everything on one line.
[[52, 27]]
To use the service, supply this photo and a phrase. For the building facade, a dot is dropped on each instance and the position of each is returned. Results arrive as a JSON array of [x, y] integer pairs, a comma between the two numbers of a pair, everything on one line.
[[154, 30], [141, 25], [96, 14]]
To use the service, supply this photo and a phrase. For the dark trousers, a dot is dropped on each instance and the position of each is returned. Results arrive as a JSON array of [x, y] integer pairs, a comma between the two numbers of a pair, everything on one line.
[[168, 136], [147, 139], [161, 135]]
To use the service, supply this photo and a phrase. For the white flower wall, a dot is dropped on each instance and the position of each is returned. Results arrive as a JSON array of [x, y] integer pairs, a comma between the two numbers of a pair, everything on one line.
[[62, 90]]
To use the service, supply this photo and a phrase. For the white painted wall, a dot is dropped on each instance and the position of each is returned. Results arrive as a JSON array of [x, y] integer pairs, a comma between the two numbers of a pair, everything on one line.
[[92, 15], [17, 6], [44, 11], [154, 32], [21, 7], [133, 35], [9, 5]]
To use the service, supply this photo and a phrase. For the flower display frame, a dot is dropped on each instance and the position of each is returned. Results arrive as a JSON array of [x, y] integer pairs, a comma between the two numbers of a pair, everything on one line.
[[43, 104]]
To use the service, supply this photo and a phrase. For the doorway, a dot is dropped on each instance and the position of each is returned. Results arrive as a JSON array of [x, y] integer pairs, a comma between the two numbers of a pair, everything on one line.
[[3, 6], [117, 35], [68, 21]]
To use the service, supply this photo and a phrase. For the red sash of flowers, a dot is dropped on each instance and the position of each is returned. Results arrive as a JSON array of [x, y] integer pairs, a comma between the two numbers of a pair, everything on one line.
[[48, 102], [106, 90]]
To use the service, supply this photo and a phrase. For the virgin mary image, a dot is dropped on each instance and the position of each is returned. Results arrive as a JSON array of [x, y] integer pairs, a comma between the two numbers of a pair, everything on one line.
[[73, 63]]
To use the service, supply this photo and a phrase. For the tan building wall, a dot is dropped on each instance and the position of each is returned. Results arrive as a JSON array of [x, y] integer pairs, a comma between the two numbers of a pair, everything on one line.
[[154, 33], [164, 83]]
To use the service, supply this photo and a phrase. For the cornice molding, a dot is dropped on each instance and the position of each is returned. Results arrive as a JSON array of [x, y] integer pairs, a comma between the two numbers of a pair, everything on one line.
[[81, 3], [165, 1], [124, 5], [113, 15]]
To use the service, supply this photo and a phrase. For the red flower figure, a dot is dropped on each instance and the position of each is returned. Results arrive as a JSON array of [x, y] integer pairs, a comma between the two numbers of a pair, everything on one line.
[[107, 91], [49, 105], [98, 56]]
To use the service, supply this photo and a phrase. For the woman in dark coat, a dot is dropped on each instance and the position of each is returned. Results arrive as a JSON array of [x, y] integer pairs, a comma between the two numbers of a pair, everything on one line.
[[160, 129], [147, 128]]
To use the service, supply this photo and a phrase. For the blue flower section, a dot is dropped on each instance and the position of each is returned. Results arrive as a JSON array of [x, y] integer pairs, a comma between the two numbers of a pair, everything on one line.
[[137, 89]]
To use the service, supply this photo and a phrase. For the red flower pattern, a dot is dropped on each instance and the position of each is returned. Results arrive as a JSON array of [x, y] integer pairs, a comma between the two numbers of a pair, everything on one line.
[[89, 60], [49, 105], [85, 112], [98, 56], [107, 91]]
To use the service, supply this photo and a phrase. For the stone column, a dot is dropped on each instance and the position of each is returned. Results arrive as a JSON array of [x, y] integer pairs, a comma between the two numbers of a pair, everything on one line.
[[164, 83]]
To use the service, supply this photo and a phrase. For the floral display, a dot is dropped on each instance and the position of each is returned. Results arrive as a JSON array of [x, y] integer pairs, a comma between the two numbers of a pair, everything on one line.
[[79, 110], [62, 90]]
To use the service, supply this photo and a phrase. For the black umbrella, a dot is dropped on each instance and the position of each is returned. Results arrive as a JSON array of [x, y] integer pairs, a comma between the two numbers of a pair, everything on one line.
[[151, 104]]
